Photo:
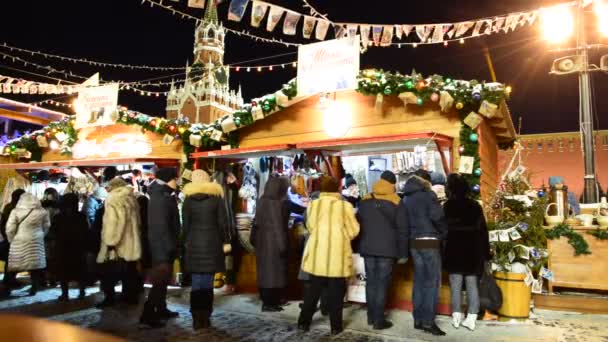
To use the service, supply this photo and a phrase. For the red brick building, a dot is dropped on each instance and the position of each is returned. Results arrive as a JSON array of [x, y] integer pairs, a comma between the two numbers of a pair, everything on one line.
[[560, 154]]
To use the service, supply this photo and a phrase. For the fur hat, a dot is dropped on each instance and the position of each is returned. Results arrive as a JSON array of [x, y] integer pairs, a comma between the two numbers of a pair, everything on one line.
[[200, 176], [166, 174], [329, 184]]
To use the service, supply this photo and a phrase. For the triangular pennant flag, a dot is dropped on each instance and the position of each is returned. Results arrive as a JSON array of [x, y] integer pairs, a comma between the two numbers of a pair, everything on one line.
[[532, 17], [258, 12], [291, 22], [196, 3], [462, 28], [387, 36], [514, 21], [351, 29], [498, 24], [489, 23], [365, 29], [322, 27], [92, 81], [508, 23], [407, 29], [377, 34], [309, 26], [340, 30], [276, 13], [477, 28], [423, 32], [237, 9], [450, 30], [438, 34], [398, 31]]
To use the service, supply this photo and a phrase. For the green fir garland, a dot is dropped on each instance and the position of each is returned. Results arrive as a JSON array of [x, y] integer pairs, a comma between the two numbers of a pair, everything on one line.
[[575, 239], [467, 95], [599, 234]]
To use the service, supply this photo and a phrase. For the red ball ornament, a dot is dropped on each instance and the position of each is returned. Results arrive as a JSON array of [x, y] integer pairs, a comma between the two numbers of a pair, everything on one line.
[[420, 85], [254, 103], [153, 123], [48, 134], [172, 128], [435, 97]]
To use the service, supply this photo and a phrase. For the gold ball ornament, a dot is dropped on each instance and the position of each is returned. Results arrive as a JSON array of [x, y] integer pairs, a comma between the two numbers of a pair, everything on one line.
[[459, 105]]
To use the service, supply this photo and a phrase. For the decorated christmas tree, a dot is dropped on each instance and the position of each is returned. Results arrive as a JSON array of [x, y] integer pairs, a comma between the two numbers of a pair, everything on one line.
[[517, 235]]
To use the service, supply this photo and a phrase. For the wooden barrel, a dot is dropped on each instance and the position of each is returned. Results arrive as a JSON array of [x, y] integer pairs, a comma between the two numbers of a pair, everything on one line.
[[515, 295]]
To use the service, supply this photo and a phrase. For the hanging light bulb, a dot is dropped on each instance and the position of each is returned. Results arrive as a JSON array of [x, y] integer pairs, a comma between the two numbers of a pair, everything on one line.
[[461, 40], [415, 45], [270, 68], [445, 43], [259, 69]]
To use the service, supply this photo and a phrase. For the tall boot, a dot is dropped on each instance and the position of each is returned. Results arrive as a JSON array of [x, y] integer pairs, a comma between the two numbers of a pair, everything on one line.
[[150, 316], [197, 308]]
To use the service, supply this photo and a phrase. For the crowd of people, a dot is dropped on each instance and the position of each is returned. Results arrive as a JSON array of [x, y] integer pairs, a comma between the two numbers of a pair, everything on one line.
[[128, 230]]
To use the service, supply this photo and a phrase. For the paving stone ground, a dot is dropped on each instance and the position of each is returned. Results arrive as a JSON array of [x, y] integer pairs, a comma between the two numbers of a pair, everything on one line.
[[238, 318]]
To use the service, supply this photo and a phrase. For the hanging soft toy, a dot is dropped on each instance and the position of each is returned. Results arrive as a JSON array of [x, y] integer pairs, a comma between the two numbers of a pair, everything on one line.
[[298, 185]]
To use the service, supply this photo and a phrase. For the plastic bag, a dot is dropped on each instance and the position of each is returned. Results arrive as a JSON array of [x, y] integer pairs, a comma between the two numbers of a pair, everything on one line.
[[490, 295]]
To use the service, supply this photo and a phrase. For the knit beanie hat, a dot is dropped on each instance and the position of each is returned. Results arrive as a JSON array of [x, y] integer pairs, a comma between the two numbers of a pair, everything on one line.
[[329, 184], [389, 177], [200, 176], [166, 174]]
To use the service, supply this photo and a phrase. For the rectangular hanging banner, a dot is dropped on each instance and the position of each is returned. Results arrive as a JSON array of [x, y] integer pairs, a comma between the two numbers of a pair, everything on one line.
[[97, 106], [328, 66]]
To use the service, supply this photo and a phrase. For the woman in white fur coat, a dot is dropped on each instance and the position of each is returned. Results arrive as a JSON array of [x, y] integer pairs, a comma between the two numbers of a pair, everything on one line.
[[120, 241], [26, 227]]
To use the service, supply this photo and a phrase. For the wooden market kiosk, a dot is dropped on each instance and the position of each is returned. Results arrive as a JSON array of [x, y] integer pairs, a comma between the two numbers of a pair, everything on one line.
[[102, 146], [299, 128]]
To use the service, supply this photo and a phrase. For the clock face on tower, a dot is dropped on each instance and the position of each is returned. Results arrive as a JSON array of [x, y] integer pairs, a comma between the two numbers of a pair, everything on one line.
[[221, 76]]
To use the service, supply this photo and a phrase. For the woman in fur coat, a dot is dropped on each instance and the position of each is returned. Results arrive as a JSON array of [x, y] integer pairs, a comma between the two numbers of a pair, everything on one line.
[[26, 227], [120, 241], [205, 229]]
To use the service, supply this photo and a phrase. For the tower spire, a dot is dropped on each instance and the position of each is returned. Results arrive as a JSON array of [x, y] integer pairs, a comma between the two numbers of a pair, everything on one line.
[[211, 12]]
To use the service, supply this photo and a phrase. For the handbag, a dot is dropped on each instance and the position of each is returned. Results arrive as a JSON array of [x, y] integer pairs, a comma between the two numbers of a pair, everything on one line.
[[490, 295]]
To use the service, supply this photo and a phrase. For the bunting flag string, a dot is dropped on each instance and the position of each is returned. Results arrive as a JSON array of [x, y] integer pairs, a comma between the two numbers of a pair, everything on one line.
[[382, 34], [246, 34]]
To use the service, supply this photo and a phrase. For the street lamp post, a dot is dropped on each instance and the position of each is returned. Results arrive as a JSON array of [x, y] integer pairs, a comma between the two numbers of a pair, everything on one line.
[[559, 26], [590, 194]]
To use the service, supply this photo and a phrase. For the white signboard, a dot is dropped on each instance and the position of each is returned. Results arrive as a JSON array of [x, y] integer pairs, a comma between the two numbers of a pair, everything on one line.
[[328, 66], [122, 145], [96, 106]]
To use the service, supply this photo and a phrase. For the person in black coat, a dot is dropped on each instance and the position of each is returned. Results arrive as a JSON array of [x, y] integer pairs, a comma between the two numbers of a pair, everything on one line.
[[270, 237], [383, 240], [70, 228], [163, 232], [205, 224], [426, 230], [467, 249], [10, 278]]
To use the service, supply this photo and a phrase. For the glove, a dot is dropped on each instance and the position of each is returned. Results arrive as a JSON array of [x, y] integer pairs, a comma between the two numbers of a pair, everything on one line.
[[402, 261]]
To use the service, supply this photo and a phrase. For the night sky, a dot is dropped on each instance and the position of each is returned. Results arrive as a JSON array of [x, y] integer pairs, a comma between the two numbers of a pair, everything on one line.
[[125, 31]]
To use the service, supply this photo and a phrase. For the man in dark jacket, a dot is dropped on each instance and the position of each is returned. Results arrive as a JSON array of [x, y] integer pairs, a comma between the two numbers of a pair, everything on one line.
[[427, 229], [383, 241], [163, 232]]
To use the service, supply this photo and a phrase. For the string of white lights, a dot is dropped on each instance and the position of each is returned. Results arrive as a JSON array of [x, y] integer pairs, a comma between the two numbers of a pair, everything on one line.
[[314, 12], [88, 61], [235, 32]]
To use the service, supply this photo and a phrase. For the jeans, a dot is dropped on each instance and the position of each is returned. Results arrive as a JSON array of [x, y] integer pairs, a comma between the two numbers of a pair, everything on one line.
[[336, 288], [472, 292], [202, 281], [378, 272], [427, 280]]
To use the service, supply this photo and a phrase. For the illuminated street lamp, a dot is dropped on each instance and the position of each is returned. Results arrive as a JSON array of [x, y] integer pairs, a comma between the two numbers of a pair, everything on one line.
[[558, 26], [601, 10], [557, 23]]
